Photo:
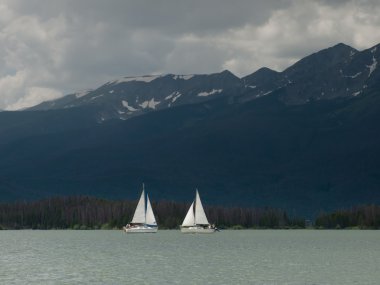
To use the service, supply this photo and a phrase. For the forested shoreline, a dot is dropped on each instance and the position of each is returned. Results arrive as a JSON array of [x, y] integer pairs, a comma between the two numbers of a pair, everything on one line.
[[84, 212], [361, 217]]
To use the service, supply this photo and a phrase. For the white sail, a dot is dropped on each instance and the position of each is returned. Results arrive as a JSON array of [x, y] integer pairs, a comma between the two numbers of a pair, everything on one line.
[[200, 215], [150, 219], [189, 219], [139, 216]]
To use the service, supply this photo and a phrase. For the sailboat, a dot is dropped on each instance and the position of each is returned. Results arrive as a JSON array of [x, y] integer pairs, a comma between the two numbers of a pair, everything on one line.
[[143, 220], [196, 220]]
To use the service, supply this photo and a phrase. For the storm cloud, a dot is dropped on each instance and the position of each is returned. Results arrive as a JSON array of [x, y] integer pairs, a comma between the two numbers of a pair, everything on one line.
[[52, 48]]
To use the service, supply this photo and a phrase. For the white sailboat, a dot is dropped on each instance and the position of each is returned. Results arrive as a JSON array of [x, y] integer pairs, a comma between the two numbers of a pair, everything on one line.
[[196, 220], [143, 220]]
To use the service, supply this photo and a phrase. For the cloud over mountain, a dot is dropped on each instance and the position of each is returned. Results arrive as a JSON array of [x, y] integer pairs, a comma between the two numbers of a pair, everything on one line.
[[53, 48]]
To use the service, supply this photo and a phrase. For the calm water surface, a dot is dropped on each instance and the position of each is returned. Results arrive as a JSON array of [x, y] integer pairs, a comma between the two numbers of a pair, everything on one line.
[[169, 257]]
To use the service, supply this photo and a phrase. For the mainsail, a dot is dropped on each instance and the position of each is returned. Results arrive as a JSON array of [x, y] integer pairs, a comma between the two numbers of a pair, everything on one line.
[[139, 216], [150, 219], [200, 215], [189, 219]]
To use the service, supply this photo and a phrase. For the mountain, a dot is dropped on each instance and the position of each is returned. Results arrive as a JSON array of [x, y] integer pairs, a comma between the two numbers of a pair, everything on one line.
[[339, 71], [131, 96], [268, 139]]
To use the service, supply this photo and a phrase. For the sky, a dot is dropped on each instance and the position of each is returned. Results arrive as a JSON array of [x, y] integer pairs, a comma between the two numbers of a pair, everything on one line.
[[50, 48]]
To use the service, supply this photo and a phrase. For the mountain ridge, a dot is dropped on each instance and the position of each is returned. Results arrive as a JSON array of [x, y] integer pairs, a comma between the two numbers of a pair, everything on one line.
[[280, 143], [337, 71]]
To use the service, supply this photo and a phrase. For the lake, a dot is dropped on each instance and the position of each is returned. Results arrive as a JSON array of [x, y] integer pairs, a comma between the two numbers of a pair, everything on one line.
[[169, 257]]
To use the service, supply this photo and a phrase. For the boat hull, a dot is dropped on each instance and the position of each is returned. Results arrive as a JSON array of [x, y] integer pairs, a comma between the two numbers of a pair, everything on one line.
[[197, 230], [140, 229]]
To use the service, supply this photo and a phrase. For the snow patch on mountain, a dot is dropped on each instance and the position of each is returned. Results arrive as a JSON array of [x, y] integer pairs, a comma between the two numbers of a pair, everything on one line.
[[267, 93], [350, 76], [355, 75], [82, 93], [150, 104], [144, 104], [95, 97], [373, 66], [174, 96], [126, 105], [184, 77], [169, 96], [177, 95], [374, 50], [212, 92]]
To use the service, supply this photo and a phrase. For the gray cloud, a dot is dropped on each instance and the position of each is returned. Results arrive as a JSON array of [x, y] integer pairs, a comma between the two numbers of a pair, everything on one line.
[[51, 48]]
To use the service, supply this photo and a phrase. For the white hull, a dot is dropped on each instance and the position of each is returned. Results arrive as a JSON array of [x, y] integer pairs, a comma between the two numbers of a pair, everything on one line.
[[140, 229], [197, 230]]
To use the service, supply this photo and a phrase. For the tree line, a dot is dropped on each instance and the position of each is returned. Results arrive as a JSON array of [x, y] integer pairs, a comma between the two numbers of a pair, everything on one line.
[[363, 217], [84, 212]]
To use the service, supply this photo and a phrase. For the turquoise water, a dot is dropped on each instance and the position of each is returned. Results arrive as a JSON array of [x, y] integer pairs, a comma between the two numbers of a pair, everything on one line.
[[169, 257]]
